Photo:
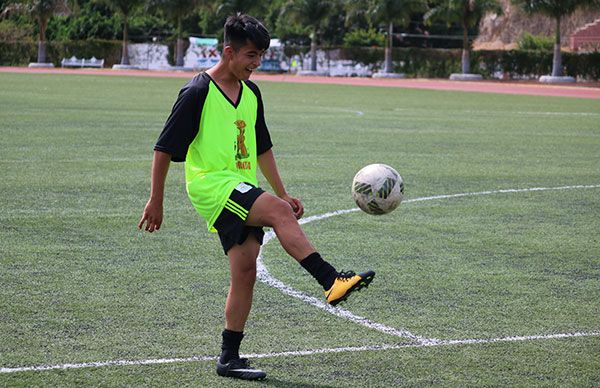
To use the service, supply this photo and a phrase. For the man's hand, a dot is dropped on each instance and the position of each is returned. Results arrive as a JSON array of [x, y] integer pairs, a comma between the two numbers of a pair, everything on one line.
[[296, 205], [153, 212], [152, 216]]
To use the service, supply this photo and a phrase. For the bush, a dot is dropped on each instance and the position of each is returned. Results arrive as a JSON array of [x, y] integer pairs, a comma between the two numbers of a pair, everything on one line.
[[363, 55], [364, 38], [440, 63], [22, 53], [17, 53], [513, 63], [109, 50], [586, 65], [427, 63], [532, 64], [528, 41], [11, 31], [414, 62]]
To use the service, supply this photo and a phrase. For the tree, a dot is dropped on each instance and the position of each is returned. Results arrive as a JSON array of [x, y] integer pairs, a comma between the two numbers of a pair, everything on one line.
[[42, 11], [214, 13], [176, 10], [390, 12], [126, 8], [311, 14], [226, 8], [557, 9], [467, 13]]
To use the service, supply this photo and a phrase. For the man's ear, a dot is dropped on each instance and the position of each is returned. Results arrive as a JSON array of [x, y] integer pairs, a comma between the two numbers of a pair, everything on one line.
[[228, 50]]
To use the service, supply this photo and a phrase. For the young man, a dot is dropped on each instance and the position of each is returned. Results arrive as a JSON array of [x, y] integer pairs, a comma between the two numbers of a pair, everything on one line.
[[217, 127]]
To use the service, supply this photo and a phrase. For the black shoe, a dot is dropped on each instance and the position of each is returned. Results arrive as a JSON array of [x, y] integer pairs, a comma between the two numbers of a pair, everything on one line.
[[239, 369]]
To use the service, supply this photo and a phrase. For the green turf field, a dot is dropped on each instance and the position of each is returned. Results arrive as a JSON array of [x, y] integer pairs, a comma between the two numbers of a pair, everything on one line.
[[80, 284]]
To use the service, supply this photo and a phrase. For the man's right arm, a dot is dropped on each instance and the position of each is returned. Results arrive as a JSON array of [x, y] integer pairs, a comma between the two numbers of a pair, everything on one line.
[[153, 212]]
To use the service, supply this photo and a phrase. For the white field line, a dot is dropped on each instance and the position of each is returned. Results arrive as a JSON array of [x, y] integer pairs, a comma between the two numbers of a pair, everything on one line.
[[503, 113], [86, 160], [557, 113], [499, 192], [267, 278], [583, 114], [74, 212], [157, 361], [329, 108]]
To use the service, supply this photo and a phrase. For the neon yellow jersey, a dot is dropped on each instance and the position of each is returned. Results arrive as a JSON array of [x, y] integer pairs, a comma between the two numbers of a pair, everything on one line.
[[222, 150]]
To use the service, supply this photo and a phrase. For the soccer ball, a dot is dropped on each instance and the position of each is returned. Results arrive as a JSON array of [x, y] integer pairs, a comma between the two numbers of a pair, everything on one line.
[[377, 189]]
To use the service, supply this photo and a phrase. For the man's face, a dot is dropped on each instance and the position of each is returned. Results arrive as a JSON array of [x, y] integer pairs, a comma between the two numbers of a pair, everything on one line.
[[245, 60]]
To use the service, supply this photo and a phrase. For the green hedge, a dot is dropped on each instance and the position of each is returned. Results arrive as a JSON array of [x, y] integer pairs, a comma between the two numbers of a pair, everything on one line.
[[414, 62], [440, 63], [585, 65], [17, 53], [426, 63], [22, 53], [534, 63], [513, 63]]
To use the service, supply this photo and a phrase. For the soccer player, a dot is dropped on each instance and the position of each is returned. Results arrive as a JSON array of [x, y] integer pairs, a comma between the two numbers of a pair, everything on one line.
[[217, 127]]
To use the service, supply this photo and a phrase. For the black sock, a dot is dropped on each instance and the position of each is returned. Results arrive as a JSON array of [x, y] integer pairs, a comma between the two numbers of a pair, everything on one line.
[[320, 270], [230, 348]]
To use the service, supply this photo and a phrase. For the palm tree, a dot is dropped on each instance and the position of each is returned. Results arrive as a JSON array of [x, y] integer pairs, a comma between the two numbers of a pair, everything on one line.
[[557, 9], [390, 12], [42, 11], [311, 14], [229, 7], [214, 13], [467, 13], [177, 10], [126, 8]]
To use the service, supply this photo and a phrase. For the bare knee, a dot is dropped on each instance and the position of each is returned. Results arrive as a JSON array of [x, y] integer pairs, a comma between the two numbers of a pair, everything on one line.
[[269, 210], [242, 259], [245, 276], [280, 213]]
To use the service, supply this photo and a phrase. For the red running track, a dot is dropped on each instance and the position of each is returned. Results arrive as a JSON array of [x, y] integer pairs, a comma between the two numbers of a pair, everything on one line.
[[578, 90]]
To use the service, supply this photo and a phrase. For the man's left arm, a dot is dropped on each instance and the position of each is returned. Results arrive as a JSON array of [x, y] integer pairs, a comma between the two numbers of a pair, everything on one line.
[[268, 167]]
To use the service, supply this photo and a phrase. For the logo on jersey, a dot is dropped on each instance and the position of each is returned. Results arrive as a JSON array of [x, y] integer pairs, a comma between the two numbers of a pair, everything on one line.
[[242, 151]]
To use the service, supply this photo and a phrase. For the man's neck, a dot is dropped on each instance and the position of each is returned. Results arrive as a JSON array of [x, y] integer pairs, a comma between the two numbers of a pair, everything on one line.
[[222, 76]]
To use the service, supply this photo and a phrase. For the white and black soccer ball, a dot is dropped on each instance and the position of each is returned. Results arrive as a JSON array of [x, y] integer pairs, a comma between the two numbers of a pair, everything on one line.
[[377, 189]]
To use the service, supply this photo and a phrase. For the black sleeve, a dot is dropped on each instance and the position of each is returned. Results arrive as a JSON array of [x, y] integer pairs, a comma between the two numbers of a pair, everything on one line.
[[182, 125], [263, 138]]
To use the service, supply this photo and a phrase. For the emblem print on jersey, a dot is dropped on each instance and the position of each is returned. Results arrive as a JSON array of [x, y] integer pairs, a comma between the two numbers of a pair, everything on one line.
[[242, 151]]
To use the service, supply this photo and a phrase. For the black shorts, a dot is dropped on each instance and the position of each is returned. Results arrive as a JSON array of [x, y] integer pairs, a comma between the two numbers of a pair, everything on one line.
[[231, 223]]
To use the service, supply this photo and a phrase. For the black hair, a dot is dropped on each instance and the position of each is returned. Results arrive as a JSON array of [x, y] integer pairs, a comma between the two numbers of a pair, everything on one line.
[[241, 28]]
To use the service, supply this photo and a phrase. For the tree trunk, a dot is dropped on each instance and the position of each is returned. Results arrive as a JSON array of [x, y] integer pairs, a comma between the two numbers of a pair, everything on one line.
[[388, 67], [313, 51], [466, 57], [556, 59], [125, 51], [179, 45], [466, 61], [41, 55]]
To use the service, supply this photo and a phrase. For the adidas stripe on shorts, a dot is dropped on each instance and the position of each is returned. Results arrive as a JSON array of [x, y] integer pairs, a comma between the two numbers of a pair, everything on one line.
[[231, 223]]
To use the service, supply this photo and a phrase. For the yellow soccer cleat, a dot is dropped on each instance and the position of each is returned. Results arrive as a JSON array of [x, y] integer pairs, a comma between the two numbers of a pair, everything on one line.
[[345, 283]]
